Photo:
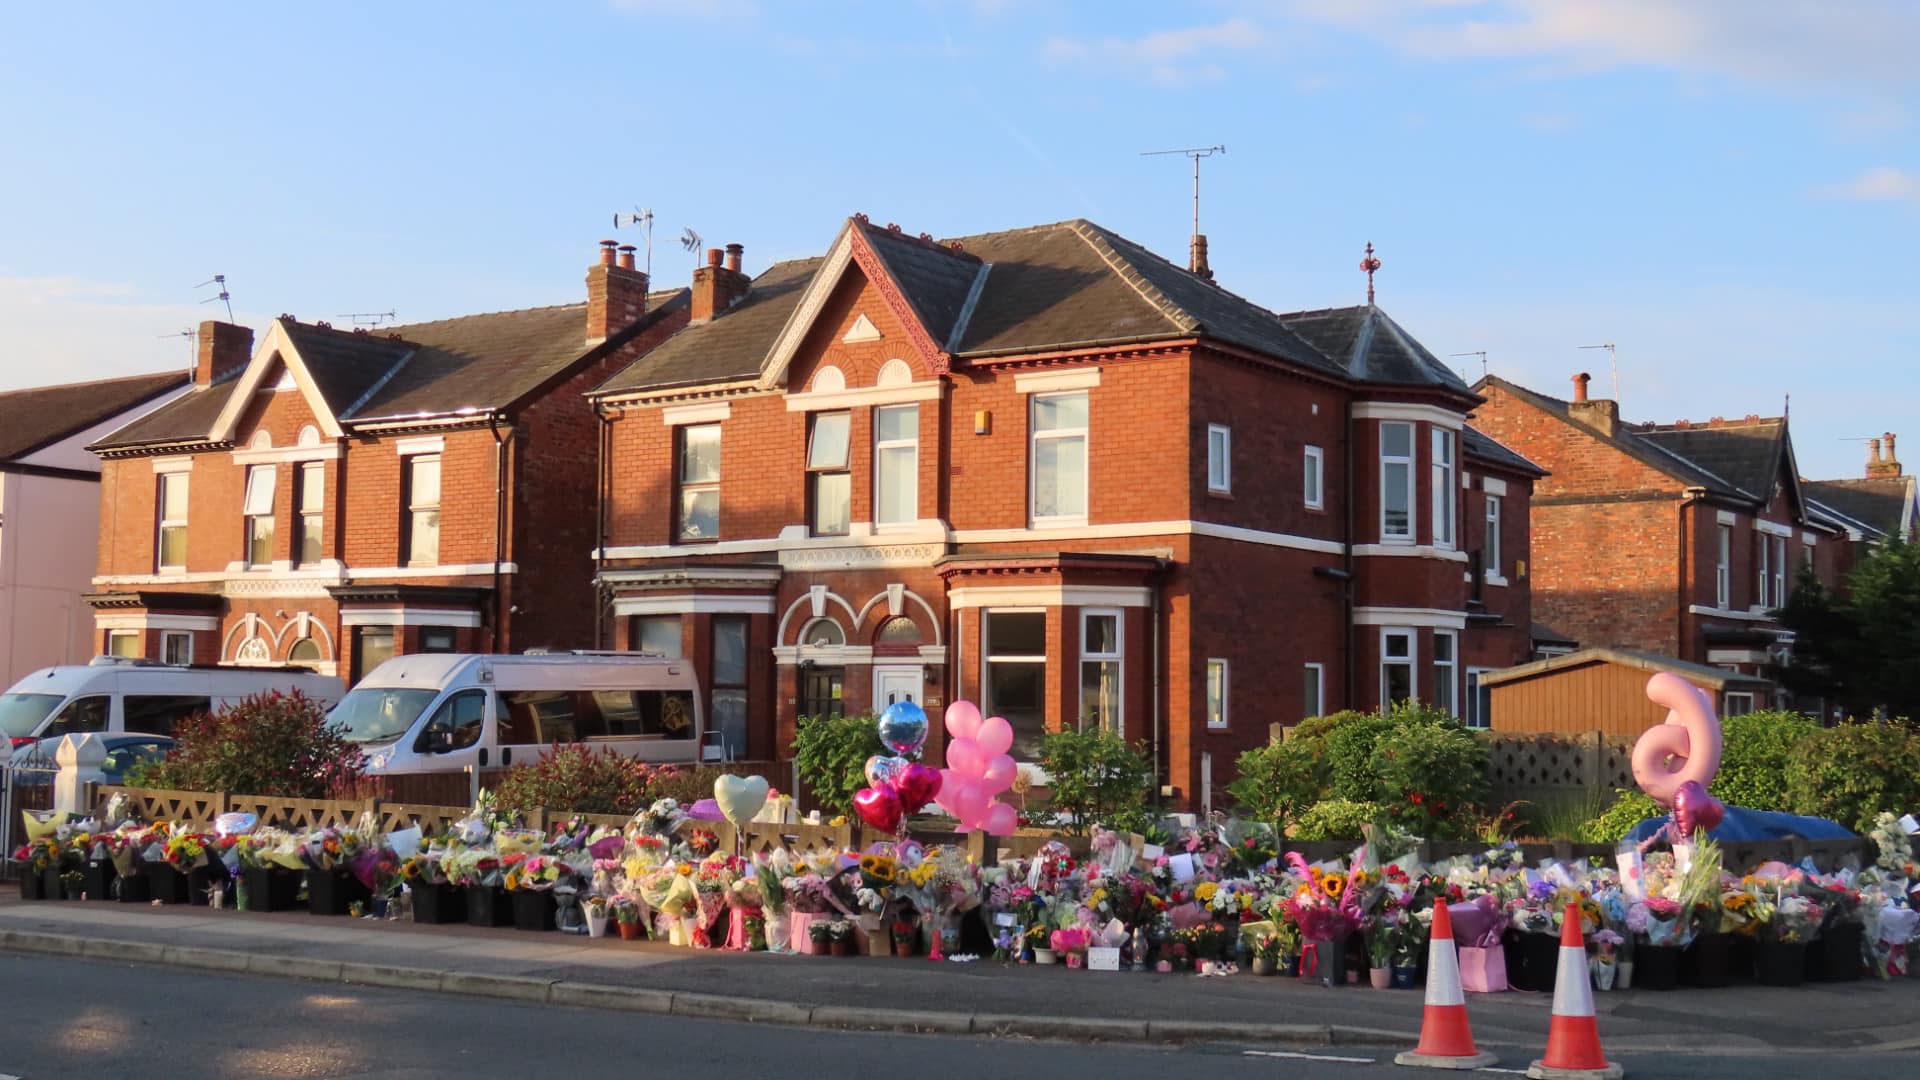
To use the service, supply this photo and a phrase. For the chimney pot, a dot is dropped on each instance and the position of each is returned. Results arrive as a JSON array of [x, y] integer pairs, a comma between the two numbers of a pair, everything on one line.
[[1873, 451], [734, 251], [606, 251], [1197, 258], [1580, 382], [626, 256], [616, 292], [713, 256]]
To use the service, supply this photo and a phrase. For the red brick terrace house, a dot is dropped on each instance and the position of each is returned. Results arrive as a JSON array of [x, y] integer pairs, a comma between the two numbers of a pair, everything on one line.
[[1675, 539], [334, 497], [1049, 471], [1884, 503]]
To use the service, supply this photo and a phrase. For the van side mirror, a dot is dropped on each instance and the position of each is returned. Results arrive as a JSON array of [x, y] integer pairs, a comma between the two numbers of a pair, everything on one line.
[[439, 738]]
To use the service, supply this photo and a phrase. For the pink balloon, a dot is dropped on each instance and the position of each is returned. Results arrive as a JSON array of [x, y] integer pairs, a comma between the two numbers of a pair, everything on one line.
[[1685, 749], [964, 757], [879, 807], [963, 719], [1694, 809], [999, 773], [948, 785], [917, 784], [995, 737], [970, 804], [1002, 819]]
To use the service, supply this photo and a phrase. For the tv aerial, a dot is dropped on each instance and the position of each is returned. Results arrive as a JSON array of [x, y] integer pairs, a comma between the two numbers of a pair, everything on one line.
[[643, 217], [369, 319], [223, 295], [691, 241]]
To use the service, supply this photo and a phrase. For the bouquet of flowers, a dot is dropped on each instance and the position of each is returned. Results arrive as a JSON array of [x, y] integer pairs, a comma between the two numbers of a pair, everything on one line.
[[1796, 919], [186, 848]]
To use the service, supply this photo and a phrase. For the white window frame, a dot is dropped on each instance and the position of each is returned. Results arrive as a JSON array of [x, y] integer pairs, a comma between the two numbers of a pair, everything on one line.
[[123, 635], [1779, 544], [681, 486], [168, 638], [1412, 661], [913, 474], [1491, 564], [266, 476], [1221, 703], [310, 477], [1315, 679], [1764, 565], [1723, 572], [1446, 492], [1743, 695], [1117, 658], [1472, 716], [1219, 459], [167, 480], [1447, 670], [1034, 437], [1389, 462], [816, 471], [1314, 479], [415, 508]]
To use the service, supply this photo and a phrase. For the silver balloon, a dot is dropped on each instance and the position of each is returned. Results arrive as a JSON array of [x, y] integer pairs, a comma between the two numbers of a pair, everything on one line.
[[903, 728], [885, 770]]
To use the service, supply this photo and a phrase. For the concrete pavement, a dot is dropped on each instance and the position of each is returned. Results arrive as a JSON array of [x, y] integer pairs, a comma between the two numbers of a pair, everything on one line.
[[980, 998]]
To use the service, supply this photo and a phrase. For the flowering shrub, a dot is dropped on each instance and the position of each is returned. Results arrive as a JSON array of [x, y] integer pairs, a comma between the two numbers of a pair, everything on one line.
[[579, 780], [1429, 774], [272, 744], [1854, 771]]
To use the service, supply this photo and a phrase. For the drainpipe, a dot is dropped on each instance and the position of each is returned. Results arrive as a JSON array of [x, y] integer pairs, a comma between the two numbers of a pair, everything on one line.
[[1687, 563], [1159, 775], [601, 487], [1346, 586], [499, 519]]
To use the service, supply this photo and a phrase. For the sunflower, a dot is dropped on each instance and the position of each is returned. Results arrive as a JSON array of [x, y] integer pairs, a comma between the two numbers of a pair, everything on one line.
[[1334, 885], [879, 867]]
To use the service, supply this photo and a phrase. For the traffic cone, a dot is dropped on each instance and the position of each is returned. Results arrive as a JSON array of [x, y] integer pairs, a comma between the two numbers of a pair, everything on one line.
[[1573, 1042], [1446, 1042]]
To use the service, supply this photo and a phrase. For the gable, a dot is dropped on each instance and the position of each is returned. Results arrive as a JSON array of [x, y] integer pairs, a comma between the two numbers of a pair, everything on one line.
[[884, 304], [1578, 460], [855, 360], [275, 356]]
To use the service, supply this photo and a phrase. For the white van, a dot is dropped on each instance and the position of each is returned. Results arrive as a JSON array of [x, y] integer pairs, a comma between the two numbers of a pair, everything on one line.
[[441, 712], [116, 695]]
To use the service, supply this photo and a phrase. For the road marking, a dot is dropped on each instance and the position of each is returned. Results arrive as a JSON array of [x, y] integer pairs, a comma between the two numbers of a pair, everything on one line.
[[1288, 1054], [1498, 1069]]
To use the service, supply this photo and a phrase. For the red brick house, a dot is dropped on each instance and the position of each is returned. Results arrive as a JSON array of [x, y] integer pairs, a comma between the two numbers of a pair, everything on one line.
[[1675, 539], [1049, 471], [1884, 503], [334, 497]]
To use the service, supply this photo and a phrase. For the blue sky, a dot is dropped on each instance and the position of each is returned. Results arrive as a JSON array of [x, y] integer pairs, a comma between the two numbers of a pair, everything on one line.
[[1727, 190]]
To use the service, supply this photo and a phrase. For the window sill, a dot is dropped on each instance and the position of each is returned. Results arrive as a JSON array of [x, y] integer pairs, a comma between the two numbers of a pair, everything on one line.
[[1494, 579], [1219, 493], [1057, 523], [1315, 508]]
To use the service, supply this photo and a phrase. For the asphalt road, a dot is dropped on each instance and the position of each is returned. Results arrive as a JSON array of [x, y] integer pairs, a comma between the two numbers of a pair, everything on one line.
[[87, 1019]]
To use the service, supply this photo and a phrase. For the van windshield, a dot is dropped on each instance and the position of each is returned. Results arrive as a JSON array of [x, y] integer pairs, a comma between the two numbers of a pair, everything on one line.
[[21, 714], [375, 714]]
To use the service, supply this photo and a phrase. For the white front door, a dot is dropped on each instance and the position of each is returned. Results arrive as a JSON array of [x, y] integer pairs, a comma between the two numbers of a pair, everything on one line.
[[898, 683]]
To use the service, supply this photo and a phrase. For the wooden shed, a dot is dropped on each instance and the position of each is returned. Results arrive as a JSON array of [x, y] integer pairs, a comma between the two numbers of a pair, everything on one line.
[[1606, 690]]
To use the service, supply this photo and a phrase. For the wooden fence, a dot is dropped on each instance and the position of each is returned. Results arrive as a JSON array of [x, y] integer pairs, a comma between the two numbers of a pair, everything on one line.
[[1558, 768]]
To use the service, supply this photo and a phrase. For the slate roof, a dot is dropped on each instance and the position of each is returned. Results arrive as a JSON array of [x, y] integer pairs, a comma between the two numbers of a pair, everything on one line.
[[1474, 443], [1629, 441], [1746, 453], [472, 363], [1886, 504], [1071, 284], [37, 417]]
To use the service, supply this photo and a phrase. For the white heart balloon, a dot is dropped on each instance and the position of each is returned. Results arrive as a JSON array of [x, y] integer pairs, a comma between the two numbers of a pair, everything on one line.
[[740, 797]]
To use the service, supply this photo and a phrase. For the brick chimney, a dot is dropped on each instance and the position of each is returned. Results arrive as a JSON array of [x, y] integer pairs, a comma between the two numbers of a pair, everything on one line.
[[1882, 468], [224, 349], [1602, 415], [718, 286], [616, 292], [1197, 259]]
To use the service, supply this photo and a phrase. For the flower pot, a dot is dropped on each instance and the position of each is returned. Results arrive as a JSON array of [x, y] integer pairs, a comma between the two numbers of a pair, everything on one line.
[[334, 892], [1835, 955], [1381, 978], [533, 909], [437, 905], [100, 878], [907, 945], [1405, 978], [1704, 962], [1324, 962], [1603, 973], [1043, 956], [50, 885], [167, 885], [1782, 963], [596, 924], [1164, 967], [33, 886], [1289, 967], [1623, 975], [1076, 960], [488, 905], [630, 931], [1742, 957], [1656, 967], [841, 946], [1263, 966], [1532, 961], [271, 888], [133, 888]]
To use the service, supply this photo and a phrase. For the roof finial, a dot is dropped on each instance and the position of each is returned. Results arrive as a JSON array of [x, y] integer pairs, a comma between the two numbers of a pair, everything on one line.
[[1370, 264]]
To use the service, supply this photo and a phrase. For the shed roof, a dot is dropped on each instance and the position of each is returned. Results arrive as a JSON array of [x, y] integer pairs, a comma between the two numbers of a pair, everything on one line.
[[1717, 678]]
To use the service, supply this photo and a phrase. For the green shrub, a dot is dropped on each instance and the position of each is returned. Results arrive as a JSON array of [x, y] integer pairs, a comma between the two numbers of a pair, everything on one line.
[[831, 753], [273, 744], [1753, 762], [1631, 807], [1337, 819], [1096, 778], [1430, 774], [572, 778], [1854, 771], [1350, 755], [1280, 780], [1319, 727]]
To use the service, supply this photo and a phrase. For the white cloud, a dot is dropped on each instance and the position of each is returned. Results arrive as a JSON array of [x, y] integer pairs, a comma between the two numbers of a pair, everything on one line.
[[63, 329], [1882, 184], [1172, 57]]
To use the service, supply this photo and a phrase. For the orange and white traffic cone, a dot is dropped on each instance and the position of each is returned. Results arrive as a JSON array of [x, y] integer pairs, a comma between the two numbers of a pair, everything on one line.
[[1446, 1042], [1573, 1041]]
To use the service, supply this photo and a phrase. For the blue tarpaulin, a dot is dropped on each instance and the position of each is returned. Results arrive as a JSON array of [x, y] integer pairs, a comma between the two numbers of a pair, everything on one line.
[[1741, 824]]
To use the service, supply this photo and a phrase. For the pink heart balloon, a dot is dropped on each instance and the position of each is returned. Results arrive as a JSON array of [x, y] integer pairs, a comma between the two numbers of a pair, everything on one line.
[[1694, 809], [995, 737], [964, 758], [999, 774], [917, 784], [879, 807], [963, 719], [1002, 819]]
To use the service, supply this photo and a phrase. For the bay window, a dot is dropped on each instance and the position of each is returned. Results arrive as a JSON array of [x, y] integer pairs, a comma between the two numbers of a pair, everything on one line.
[[1446, 490], [1396, 482], [1446, 668], [896, 464], [830, 484], [1059, 459], [1396, 667]]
